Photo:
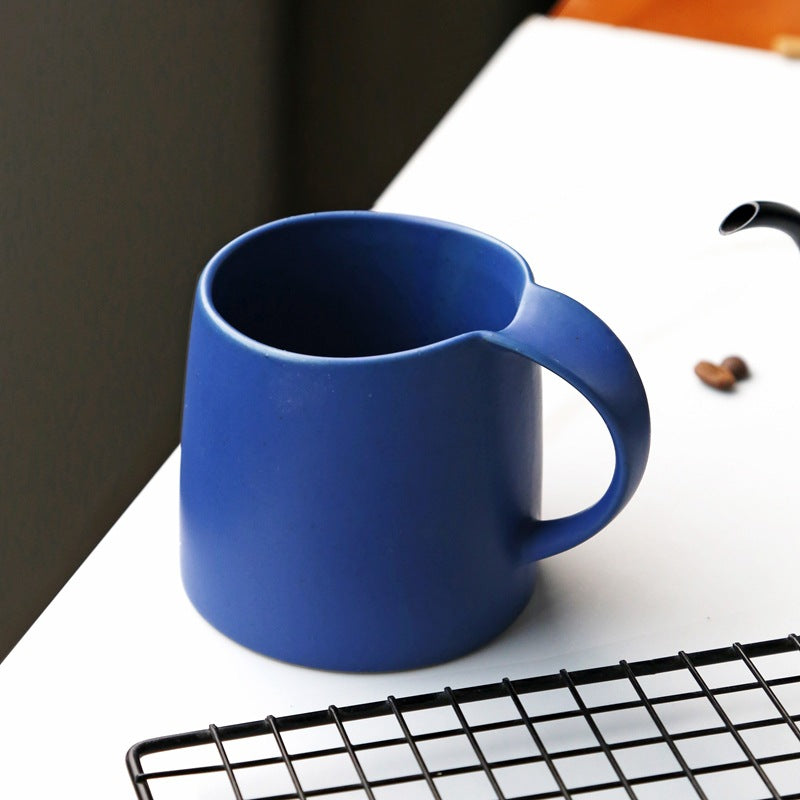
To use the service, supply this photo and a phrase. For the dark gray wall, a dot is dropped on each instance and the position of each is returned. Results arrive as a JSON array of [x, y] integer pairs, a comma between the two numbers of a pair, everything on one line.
[[135, 139], [371, 80]]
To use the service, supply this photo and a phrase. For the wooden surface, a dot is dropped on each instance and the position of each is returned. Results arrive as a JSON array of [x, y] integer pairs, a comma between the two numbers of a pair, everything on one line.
[[743, 22]]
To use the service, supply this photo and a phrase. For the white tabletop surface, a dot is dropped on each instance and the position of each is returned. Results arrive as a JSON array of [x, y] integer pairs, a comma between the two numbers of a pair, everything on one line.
[[608, 158]]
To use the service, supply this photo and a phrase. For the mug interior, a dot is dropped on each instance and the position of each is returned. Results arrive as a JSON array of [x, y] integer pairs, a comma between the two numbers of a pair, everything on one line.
[[352, 284]]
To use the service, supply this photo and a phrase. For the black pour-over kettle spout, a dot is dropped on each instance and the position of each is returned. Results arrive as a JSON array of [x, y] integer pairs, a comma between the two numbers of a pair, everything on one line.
[[763, 214]]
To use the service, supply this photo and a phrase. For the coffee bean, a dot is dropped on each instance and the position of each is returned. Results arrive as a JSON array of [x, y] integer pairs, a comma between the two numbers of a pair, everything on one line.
[[719, 377], [737, 366]]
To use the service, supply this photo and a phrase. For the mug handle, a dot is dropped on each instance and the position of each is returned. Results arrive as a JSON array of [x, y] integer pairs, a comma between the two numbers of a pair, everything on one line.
[[565, 337]]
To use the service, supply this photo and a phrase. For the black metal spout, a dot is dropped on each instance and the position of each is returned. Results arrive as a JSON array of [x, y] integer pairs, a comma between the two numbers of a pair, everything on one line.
[[763, 214]]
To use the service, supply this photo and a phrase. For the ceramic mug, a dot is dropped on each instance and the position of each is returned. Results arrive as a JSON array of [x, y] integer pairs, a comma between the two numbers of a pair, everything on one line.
[[361, 443]]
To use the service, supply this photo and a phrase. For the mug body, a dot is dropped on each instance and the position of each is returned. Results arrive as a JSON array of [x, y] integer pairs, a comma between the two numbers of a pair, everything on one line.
[[356, 460]]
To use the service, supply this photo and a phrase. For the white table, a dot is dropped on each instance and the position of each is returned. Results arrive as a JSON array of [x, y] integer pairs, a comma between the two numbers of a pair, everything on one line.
[[607, 157]]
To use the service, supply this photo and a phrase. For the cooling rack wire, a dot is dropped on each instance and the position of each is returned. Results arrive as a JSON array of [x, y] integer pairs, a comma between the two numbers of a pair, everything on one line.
[[717, 724]]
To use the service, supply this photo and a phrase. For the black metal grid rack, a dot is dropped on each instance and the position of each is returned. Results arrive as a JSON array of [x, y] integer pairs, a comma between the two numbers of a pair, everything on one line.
[[719, 723]]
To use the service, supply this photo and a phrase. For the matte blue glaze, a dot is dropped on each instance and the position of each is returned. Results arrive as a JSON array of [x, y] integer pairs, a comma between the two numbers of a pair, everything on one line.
[[361, 448]]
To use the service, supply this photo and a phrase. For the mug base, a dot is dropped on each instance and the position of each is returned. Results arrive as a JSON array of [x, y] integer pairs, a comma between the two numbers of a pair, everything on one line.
[[364, 657]]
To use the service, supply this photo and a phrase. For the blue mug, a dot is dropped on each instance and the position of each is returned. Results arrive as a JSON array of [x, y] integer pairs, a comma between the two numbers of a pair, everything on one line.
[[361, 443]]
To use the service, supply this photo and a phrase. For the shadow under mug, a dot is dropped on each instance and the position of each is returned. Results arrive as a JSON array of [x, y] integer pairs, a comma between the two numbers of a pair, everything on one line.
[[361, 443]]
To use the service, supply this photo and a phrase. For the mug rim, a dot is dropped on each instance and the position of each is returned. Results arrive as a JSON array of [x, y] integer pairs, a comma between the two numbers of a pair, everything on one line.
[[204, 286]]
